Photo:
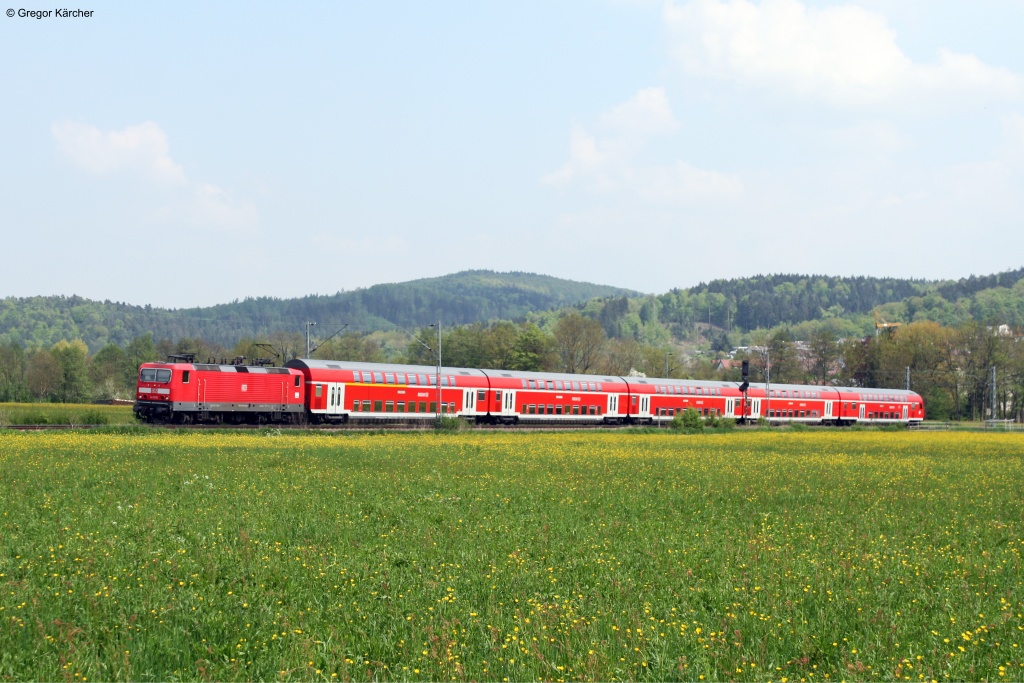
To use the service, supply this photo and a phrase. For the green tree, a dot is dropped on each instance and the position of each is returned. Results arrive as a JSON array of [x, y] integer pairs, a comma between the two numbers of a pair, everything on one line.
[[13, 368], [43, 375], [578, 341], [823, 355], [107, 372], [73, 359], [533, 350]]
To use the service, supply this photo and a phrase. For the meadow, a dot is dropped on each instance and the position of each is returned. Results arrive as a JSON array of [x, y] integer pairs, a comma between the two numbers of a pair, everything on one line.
[[809, 556]]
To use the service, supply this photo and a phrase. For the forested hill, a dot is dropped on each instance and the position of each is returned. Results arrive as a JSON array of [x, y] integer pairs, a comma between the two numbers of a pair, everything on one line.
[[767, 301], [461, 298], [770, 300]]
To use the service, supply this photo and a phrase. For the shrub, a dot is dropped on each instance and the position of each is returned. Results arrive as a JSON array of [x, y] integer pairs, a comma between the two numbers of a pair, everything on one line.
[[447, 423], [726, 423], [797, 427], [688, 421], [92, 417]]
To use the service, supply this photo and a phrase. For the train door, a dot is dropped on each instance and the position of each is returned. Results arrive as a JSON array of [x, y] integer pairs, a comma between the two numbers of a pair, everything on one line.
[[614, 402], [335, 397], [469, 401], [755, 408], [828, 409], [861, 411], [508, 405], [644, 409], [730, 406], [906, 413]]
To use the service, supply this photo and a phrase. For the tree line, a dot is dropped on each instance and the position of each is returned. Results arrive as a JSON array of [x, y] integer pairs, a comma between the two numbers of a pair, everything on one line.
[[949, 366]]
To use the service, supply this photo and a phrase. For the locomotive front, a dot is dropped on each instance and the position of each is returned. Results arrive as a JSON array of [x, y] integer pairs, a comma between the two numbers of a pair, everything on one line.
[[157, 389]]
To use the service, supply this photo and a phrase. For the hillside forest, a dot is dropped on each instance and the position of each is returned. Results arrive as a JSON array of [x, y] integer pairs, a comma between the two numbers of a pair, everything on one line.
[[814, 329]]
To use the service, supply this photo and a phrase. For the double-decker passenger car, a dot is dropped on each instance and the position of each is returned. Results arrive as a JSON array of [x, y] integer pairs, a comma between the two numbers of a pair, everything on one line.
[[340, 390]]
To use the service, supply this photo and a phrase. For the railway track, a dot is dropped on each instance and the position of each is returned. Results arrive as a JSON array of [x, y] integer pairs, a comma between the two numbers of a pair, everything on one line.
[[397, 427]]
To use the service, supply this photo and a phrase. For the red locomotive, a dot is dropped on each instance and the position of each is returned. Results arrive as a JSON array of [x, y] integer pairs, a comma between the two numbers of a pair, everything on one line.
[[205, 392], [326, 391]]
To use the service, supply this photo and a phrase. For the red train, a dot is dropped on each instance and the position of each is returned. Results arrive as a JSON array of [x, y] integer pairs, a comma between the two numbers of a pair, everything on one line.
[[325, 391]]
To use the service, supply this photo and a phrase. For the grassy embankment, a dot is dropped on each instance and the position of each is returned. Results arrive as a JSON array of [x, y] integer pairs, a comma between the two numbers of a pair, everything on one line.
[[786, 556], [64, 414]]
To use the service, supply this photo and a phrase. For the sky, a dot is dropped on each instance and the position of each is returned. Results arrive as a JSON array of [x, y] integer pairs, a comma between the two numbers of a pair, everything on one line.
[[185, 154]]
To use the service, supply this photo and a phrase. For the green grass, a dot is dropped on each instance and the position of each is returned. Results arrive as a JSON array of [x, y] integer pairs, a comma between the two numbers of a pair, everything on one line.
[[64, 414], [750, 556]]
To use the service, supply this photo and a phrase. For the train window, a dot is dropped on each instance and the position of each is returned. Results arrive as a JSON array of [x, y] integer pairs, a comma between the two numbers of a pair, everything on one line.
[[184, 376], [532, 384], [576, 409], [400, 378], [558, 410], [481, 395], [433, 407], [297, 379], [575, 386], [599, 386], [400, 406], [355, 406], [558, 385], [389, 378], [598, 411], [531, 409], [319, 390], [551, 410], [155, 375], [540, 409], [411, 378], [378, 377], [444, 380], [593, 410], [551, 385], [378, 406], [366, 406]]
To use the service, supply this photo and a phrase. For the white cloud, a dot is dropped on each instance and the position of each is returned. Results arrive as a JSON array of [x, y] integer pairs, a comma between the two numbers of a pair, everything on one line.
[[845, 55], [608, 160], [623, 130], [143, 150], [645, 114], [683, 182]]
